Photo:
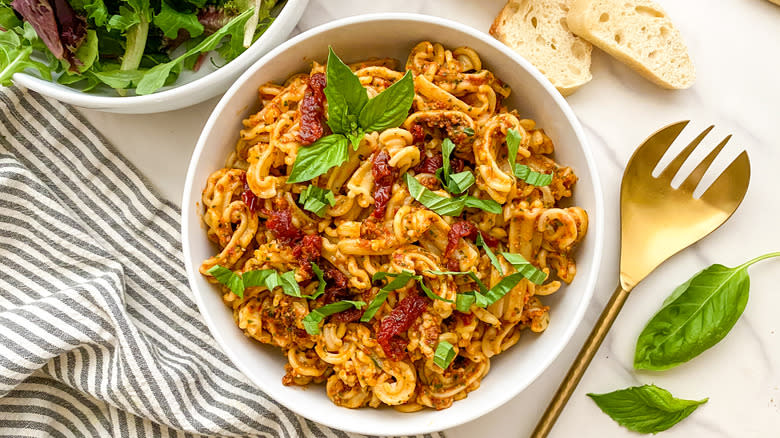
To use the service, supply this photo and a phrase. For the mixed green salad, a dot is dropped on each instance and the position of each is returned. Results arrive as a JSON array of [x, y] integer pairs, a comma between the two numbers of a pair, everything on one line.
[[138, 45]]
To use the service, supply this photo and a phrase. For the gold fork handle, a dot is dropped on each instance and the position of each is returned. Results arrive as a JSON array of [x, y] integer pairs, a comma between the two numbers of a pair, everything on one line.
[[580, 364]]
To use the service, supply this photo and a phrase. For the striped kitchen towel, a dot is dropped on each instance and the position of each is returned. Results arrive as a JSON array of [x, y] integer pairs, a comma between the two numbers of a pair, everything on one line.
[[99, 333]]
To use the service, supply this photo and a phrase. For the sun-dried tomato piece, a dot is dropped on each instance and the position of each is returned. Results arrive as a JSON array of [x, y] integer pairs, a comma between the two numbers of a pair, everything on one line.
[[456, 165], [307, 251], [280, 223], [397, 322], [313, 109], [489, 240], [429, 164], [418, 136], [457, 231], [249, 197], [384, 176], [346, 316], [337, 286]]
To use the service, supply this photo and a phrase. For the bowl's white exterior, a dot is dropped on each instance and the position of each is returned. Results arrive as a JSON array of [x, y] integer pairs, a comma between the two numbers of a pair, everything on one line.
[[189, 89], [381, 35]]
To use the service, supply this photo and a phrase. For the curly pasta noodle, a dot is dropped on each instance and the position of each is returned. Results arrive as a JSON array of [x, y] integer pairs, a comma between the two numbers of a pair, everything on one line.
[[455, 98]]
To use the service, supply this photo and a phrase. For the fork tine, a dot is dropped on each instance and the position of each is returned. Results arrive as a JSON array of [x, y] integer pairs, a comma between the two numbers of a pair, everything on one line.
[[655, 146], [674, 166], [730, 187], [693, 179]]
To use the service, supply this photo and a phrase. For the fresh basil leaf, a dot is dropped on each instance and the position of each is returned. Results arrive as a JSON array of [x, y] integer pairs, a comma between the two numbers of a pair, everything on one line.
[[468, 131], [259, 277], [355, 138], [169, 20], [342, 82], [645, 409], [531, 177], [321, 278], [523, 266], [503, 287], [289, 285], [316, 199], [471, 275], [460, 182], [311, 322], [437, 203], [513, 139], [233, 281], [493, 259], [316, 159], [156, 76], [444, 354], [432, 295], [464, 301], [389, 108], [487, 205], [399, 280], [447, 146], [698, 314]]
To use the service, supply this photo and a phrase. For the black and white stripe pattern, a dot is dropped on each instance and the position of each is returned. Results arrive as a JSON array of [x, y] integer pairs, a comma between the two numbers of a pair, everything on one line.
[[99, 335]]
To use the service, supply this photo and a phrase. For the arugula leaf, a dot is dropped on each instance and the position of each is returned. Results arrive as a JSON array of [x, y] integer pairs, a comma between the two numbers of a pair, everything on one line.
[[645, 409], [15, 57], [513, 139], [155, 77], [390, 107], [444, 354], [531, 177], [345, 94], [123, 21], [311, 322], [233, 281], [95, 9], [524, 267], [316, 200], [316, 159], [697, 315], [493, 260], [169, 20]]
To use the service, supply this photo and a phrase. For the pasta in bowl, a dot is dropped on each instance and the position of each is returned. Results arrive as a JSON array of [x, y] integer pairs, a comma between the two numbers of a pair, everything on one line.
[[392, 226]]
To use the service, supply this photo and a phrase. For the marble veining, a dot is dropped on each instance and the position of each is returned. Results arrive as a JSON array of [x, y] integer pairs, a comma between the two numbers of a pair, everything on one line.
[[734, 44]]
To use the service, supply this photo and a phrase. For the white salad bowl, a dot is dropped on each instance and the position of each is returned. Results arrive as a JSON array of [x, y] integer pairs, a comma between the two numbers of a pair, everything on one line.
[[190, 88], [380, 35]]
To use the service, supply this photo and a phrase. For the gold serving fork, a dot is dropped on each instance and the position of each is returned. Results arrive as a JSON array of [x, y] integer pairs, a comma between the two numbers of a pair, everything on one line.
[[657, 221]]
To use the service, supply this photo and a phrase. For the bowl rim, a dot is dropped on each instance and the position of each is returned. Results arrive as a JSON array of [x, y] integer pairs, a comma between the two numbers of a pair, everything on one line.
[[597, 213], [178, 93]]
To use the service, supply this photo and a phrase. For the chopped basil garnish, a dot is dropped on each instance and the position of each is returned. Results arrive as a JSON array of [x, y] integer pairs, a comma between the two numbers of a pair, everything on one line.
[[321, 277], [444, 354], [447, 206], [399, 280], [228, 278], [316, 200], [311, 322], [351, 114], [525, 267], [513, 139], [456, 183], [481, 243], [268, 278], [531, 177]]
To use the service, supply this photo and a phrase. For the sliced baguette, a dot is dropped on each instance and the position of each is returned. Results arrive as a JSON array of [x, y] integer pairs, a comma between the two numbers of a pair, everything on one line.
[[536, 29], [639, 34]]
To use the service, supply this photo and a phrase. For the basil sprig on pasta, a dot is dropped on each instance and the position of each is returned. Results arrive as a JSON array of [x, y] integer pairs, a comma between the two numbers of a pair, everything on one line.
[[311, 322], [513, 139], [316, 200], [398, 281], [447, 206], [486, 297], [351, 114], [444, 354], [454, 183], [269, 278]]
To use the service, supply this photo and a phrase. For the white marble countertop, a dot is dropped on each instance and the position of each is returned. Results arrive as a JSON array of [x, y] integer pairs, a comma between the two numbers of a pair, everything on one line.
[[735, 45]]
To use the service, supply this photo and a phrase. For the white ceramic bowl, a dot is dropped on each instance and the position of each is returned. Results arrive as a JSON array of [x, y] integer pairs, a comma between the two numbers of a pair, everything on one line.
[[380, 35], [189, 89]]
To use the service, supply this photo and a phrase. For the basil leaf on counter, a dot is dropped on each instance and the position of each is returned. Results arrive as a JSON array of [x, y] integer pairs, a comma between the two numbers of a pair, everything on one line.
[[389, 108], [523, 266], [316, 159], [645, 409], [696, 316], [311, 322], [531, 177], [444, 354], [493, 259], [316, 200]]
